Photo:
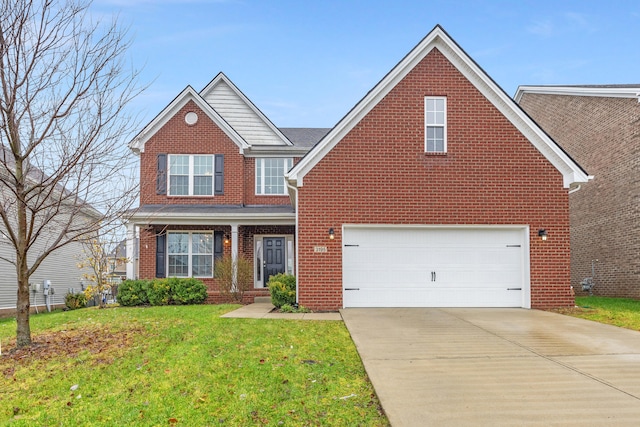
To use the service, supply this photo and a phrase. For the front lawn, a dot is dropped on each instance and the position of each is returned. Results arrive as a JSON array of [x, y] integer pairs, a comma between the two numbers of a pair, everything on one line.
[[623, 312], [183, 366]]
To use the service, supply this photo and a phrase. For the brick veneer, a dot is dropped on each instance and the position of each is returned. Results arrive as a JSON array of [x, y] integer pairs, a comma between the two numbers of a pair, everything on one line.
[[176, 137], [379, 174], [603, 135]]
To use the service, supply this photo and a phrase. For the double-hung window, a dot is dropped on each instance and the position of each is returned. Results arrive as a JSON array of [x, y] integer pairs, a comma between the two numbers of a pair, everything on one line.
[[190, 254], [190, 175], [270, 175], [435, 115]]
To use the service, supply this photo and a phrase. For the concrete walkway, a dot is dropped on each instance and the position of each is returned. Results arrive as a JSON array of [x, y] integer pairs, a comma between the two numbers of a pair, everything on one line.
[[491, 367], [264, 311]]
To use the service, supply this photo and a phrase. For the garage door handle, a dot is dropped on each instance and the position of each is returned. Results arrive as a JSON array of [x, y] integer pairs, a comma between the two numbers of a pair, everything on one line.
[[351, 289], [514, 289]]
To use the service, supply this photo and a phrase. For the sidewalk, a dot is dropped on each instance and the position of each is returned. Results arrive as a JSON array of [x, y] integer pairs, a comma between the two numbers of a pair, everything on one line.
[[263, 311]]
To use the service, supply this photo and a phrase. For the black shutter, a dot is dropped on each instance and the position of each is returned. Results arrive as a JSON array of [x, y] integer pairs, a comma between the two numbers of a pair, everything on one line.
[[219, 174], [161, 250], [161, 177], [218, 244]]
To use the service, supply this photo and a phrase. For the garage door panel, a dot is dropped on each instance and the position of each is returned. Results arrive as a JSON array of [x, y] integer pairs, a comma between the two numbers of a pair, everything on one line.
[[447, 267]]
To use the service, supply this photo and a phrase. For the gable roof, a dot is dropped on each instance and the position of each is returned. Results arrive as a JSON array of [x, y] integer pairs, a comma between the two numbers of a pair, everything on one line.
[[439, 39], [608, 91], [241, 113], [188, 94]]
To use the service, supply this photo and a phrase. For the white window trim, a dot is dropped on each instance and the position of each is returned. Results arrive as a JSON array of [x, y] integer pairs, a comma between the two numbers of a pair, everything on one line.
[[443, 126], [190, 252], [262, 176], [192, 175]]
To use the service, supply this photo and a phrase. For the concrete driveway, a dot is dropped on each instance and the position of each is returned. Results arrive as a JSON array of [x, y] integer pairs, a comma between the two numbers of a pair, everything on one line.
[[435, 367]]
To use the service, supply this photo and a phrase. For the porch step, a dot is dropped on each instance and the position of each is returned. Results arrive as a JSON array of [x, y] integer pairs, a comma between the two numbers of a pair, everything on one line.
[[262, 300]]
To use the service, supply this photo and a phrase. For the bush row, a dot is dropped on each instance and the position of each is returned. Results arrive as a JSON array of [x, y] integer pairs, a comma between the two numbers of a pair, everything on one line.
[[161, 292]]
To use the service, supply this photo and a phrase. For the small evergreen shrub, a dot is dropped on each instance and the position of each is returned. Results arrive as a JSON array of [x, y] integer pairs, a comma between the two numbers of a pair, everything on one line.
[[283, 289], [187, 291], [75, 301], [133, 292], [158, 292]]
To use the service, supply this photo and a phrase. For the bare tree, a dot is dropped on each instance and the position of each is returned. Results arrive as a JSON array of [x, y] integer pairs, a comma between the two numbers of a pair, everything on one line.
[[65, 175]]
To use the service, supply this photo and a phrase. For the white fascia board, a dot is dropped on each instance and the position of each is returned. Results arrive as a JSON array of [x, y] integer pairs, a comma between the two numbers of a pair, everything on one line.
[[439, 39], [604, 92], [188, 94], [222, 77], [219, 219]]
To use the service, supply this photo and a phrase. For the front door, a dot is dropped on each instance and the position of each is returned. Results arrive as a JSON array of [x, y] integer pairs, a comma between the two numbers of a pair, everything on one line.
[[274, 258]]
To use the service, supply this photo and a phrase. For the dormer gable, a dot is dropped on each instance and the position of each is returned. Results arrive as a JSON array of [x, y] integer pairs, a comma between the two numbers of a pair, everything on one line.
[[237, 110], [188, 94]]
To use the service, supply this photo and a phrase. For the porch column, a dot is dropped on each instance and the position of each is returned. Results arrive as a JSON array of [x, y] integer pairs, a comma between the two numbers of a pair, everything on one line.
[[130, 254], [234, 253]]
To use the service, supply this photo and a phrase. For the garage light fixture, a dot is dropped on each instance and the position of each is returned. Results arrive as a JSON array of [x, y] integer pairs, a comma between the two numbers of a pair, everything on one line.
[[332, 234], [542, 233]]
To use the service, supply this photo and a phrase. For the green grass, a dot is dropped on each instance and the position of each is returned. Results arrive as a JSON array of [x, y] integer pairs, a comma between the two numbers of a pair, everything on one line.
[[183, 366], [623, 312]]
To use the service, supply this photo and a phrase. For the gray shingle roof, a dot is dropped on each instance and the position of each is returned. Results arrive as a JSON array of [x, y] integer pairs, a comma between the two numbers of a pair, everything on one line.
[[305, 137]]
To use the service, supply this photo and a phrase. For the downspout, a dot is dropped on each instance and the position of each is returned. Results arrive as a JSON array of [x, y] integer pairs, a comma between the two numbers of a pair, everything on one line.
[[293, 196]]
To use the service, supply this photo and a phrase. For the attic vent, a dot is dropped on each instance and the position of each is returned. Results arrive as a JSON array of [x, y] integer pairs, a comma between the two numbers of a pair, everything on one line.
[[191, 118]]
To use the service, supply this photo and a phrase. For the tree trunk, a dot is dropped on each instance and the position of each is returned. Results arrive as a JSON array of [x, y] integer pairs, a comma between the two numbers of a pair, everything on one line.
[[23, 333]]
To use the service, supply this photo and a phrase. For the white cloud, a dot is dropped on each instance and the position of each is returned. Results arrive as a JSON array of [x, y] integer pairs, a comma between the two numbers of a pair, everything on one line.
[[541, 28]]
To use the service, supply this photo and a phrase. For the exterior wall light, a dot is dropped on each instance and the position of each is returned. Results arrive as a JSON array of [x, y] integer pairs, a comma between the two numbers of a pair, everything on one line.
[[226, 239], [332, 234], [543, 234]]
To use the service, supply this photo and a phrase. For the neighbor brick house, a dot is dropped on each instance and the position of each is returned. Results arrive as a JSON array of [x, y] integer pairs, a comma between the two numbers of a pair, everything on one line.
[[434, 190], [599, 126]]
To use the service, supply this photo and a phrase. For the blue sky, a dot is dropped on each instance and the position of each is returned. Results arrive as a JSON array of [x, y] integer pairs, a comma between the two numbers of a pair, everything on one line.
[[307, 63]]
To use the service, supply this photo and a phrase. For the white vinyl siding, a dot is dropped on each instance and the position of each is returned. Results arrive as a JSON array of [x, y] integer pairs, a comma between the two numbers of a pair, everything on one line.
[[270, 175], [190, 175], [241, 117], [190, 254], [435, 124]]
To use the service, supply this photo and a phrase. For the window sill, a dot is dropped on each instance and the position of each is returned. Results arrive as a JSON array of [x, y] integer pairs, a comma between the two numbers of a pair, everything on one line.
[[435, 154]]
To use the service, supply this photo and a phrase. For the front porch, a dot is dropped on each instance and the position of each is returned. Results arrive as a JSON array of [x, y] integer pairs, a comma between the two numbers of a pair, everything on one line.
[[186, 241]]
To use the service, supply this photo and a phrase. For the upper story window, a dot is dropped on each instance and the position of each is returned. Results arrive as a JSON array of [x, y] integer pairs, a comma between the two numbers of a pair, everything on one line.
[[435, 117], [270, 175], [191, 175]]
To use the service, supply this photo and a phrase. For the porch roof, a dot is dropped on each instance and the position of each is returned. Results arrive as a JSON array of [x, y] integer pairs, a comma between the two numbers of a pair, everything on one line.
[[213, 215]]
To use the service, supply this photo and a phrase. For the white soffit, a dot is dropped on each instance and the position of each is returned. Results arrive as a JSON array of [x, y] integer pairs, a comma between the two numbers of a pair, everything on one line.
[[604, 92]]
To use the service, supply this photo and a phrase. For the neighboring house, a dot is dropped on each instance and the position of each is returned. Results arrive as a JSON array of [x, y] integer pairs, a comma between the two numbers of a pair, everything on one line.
[[599, 126], [117, 261], [436, 189], [60, 267]]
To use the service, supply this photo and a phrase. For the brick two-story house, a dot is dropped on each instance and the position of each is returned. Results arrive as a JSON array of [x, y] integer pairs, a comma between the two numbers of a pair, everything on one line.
[[599, 126], [436, 189]]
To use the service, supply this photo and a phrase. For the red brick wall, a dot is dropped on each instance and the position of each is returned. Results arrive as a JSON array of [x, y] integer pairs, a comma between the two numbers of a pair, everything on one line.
[[380, 174], [602, 135], [176, 137]]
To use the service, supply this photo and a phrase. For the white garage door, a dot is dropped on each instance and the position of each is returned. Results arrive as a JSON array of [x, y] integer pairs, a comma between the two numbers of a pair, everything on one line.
[[387, 266]]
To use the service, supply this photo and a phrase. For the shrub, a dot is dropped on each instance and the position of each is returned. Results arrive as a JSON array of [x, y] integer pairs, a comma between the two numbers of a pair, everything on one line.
[[283, 289], [74, 301], [187, 291], [243, 281], [158, 292], [133, 292]]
